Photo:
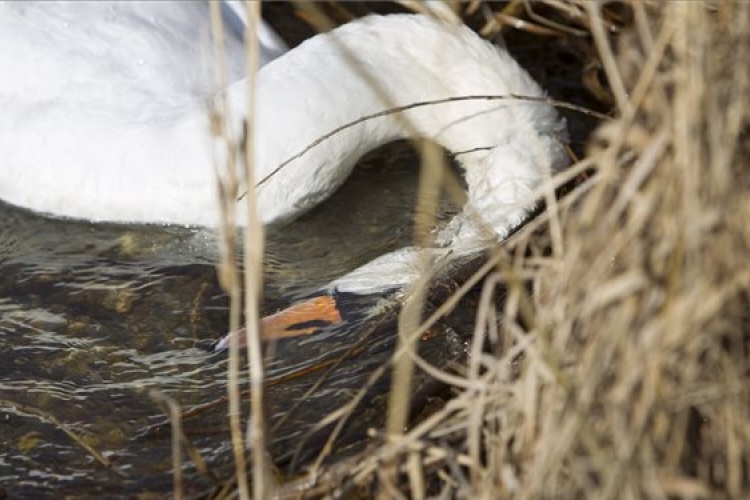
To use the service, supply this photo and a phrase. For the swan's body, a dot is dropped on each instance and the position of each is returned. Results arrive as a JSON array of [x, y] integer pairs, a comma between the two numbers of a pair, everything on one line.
[[103, 104], [101, 147]]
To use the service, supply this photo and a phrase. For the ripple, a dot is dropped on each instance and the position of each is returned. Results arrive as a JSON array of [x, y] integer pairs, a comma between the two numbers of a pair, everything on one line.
[[93, 317]]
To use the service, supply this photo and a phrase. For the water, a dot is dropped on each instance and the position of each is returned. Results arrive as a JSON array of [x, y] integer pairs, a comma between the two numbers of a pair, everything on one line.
[[93, 317]]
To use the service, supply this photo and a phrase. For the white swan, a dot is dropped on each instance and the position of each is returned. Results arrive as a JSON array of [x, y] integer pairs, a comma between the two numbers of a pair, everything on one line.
[[101, 146]]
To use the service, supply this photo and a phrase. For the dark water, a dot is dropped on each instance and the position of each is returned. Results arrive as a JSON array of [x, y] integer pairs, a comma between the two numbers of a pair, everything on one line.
[[93, 317]]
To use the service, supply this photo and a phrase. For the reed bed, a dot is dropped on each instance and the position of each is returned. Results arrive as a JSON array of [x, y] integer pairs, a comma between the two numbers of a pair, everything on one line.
[[616, 363]]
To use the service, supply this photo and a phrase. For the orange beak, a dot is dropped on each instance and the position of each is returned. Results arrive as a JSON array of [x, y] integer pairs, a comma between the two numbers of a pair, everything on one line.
[[302, 318]]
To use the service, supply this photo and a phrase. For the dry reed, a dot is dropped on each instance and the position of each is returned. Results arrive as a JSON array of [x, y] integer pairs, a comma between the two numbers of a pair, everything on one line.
[[624, 373]]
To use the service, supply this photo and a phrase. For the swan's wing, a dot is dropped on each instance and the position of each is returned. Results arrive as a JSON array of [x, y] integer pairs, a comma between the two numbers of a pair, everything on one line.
[[160, 49], [103, 107]]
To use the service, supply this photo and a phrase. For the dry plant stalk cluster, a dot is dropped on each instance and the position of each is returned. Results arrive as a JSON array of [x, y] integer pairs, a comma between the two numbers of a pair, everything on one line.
[[630, 377], [624, 375], [634, 383]]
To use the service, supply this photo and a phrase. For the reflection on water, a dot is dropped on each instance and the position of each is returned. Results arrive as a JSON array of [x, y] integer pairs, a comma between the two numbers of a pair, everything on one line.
[[94, 316]]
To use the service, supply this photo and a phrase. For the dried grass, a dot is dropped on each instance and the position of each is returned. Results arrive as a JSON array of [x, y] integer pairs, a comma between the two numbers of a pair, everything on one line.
[[625, 373]]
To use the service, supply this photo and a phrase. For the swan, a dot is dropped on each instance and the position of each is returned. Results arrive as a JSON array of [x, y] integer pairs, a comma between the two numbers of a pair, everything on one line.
[[81, 138]]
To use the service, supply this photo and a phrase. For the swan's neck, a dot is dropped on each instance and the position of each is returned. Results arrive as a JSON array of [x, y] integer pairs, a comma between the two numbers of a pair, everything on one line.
[[508, 146]]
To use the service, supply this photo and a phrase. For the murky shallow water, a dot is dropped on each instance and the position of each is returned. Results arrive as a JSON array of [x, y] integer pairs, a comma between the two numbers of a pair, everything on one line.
[[93, 317]]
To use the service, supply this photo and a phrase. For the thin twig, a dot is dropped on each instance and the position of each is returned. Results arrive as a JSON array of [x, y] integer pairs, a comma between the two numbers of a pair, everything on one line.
[[175, 417], [401, 109], [606, 55], [228, 265], [253, 257]]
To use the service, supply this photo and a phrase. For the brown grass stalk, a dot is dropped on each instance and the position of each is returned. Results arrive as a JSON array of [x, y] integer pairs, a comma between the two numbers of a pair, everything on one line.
[[228, 186], [175, 418], [253, 255], [428, 197]]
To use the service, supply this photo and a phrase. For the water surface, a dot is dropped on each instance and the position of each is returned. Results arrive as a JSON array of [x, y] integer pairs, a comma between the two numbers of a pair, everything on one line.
[[93, 317]]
